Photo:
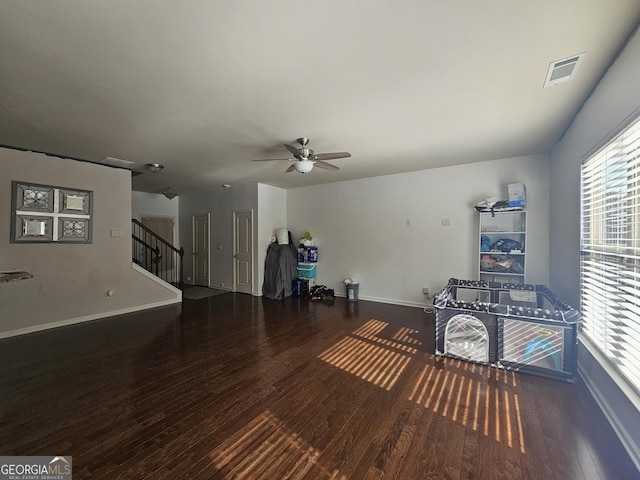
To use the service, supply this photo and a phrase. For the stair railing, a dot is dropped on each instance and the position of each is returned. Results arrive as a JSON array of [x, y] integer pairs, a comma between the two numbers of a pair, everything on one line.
[[156, 255]]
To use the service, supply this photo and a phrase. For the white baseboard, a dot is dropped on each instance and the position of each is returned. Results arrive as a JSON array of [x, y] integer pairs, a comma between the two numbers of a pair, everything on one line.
[[391, 301], [218, 287], [86, 318]]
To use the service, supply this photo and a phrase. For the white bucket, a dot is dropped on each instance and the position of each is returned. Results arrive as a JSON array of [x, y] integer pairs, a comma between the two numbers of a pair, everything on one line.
[[282, 236]]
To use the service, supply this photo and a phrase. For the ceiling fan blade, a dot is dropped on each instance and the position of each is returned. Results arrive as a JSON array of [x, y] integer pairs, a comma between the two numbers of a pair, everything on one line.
[[294, 151], [291, 168], [326, 166], [269, 159], [331, 156]]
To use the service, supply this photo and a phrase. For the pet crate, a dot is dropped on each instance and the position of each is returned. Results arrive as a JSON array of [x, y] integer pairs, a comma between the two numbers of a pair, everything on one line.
[[513, 326]]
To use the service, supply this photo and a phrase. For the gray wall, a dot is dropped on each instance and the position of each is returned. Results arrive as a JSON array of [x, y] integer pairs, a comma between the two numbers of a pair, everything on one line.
[[70, 281], [616, 97], [220, 203], [267, 203]]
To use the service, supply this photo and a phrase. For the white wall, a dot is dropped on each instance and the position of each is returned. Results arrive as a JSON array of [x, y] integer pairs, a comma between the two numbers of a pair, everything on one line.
[[360, 226], [220, 203], [616, 97], [70, 281], [272, 215]]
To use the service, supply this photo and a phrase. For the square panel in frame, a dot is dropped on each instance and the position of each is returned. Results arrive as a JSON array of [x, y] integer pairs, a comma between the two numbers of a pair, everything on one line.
[[75, 202], [46, 213], [74, 230], [33, 197], [32, 229]]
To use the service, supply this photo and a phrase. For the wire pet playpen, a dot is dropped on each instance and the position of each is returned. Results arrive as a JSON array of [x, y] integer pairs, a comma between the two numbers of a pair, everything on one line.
[[513, 326]]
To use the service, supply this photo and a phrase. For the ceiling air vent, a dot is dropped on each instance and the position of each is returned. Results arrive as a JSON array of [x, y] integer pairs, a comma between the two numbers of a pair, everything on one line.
[[563, 70], [116, 162]]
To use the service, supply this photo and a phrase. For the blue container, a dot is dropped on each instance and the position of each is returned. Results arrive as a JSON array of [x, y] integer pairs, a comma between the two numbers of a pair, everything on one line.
[[306, 270], [312, 254]]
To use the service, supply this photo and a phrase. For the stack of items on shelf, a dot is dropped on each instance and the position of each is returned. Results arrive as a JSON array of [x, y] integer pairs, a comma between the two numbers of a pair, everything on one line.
[[307, 260], [502, 246], [503, 225]]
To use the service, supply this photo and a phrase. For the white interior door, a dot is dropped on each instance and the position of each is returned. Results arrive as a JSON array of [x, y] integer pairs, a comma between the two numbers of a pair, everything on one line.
[[243, 248], [201, 249]]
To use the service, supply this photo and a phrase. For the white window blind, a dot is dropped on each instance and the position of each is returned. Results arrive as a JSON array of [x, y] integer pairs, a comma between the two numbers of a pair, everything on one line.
[[610, 252]]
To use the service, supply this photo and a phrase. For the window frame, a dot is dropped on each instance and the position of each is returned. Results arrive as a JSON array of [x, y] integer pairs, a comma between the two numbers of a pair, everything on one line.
[[625, 175]]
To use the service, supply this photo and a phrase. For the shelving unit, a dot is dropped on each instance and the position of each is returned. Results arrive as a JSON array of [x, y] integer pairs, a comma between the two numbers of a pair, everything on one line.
[[502, 261], [307, 264]]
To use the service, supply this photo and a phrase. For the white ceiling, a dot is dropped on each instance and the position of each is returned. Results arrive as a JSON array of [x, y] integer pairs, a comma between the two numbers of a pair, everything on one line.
[[205, 86]]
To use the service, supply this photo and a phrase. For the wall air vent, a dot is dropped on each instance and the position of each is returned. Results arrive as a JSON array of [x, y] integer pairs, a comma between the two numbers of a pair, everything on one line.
[[563, 70]]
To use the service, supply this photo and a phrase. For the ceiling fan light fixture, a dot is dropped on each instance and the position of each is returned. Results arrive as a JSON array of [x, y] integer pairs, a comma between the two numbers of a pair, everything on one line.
[[303, 166], [170, 193], [304, 158], [154, 167]]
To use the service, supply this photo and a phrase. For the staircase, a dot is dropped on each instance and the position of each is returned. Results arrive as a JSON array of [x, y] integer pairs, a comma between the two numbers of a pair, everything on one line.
[[156, 255]]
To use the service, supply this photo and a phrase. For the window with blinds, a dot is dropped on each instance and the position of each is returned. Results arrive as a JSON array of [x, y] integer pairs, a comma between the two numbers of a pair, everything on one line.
[[610, 252]]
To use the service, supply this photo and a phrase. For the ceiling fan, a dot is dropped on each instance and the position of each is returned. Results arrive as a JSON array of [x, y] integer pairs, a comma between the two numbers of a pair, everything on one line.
[[305, 158]]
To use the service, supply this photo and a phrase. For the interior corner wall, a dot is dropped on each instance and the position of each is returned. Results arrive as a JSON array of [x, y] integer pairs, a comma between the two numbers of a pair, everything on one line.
[[616, 97], [220, 203], [70, 281], [388, 232], [272, 216]]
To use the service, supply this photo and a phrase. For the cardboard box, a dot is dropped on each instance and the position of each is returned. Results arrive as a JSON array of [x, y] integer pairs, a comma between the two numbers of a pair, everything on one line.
[[516, 195]]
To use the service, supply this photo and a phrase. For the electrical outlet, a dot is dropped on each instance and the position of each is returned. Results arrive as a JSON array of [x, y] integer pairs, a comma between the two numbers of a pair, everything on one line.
[[425, 290]]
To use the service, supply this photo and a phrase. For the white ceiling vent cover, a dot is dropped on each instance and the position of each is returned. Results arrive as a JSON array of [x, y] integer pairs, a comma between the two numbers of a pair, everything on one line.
[[116, 162], [563, 70]]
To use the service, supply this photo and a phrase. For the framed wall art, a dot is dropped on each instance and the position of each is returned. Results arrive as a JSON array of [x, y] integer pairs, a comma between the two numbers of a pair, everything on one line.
[[47, 214]]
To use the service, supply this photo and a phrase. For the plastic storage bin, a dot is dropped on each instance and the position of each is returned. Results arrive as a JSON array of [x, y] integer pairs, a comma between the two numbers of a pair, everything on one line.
[[306, 270]]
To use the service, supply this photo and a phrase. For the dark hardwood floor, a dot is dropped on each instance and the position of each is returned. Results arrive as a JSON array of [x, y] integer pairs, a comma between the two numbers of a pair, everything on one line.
[[241, 387]]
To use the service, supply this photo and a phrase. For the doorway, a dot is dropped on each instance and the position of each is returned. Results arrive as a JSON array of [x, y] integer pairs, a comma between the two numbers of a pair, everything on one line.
[[201, 250], [243, 248]]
